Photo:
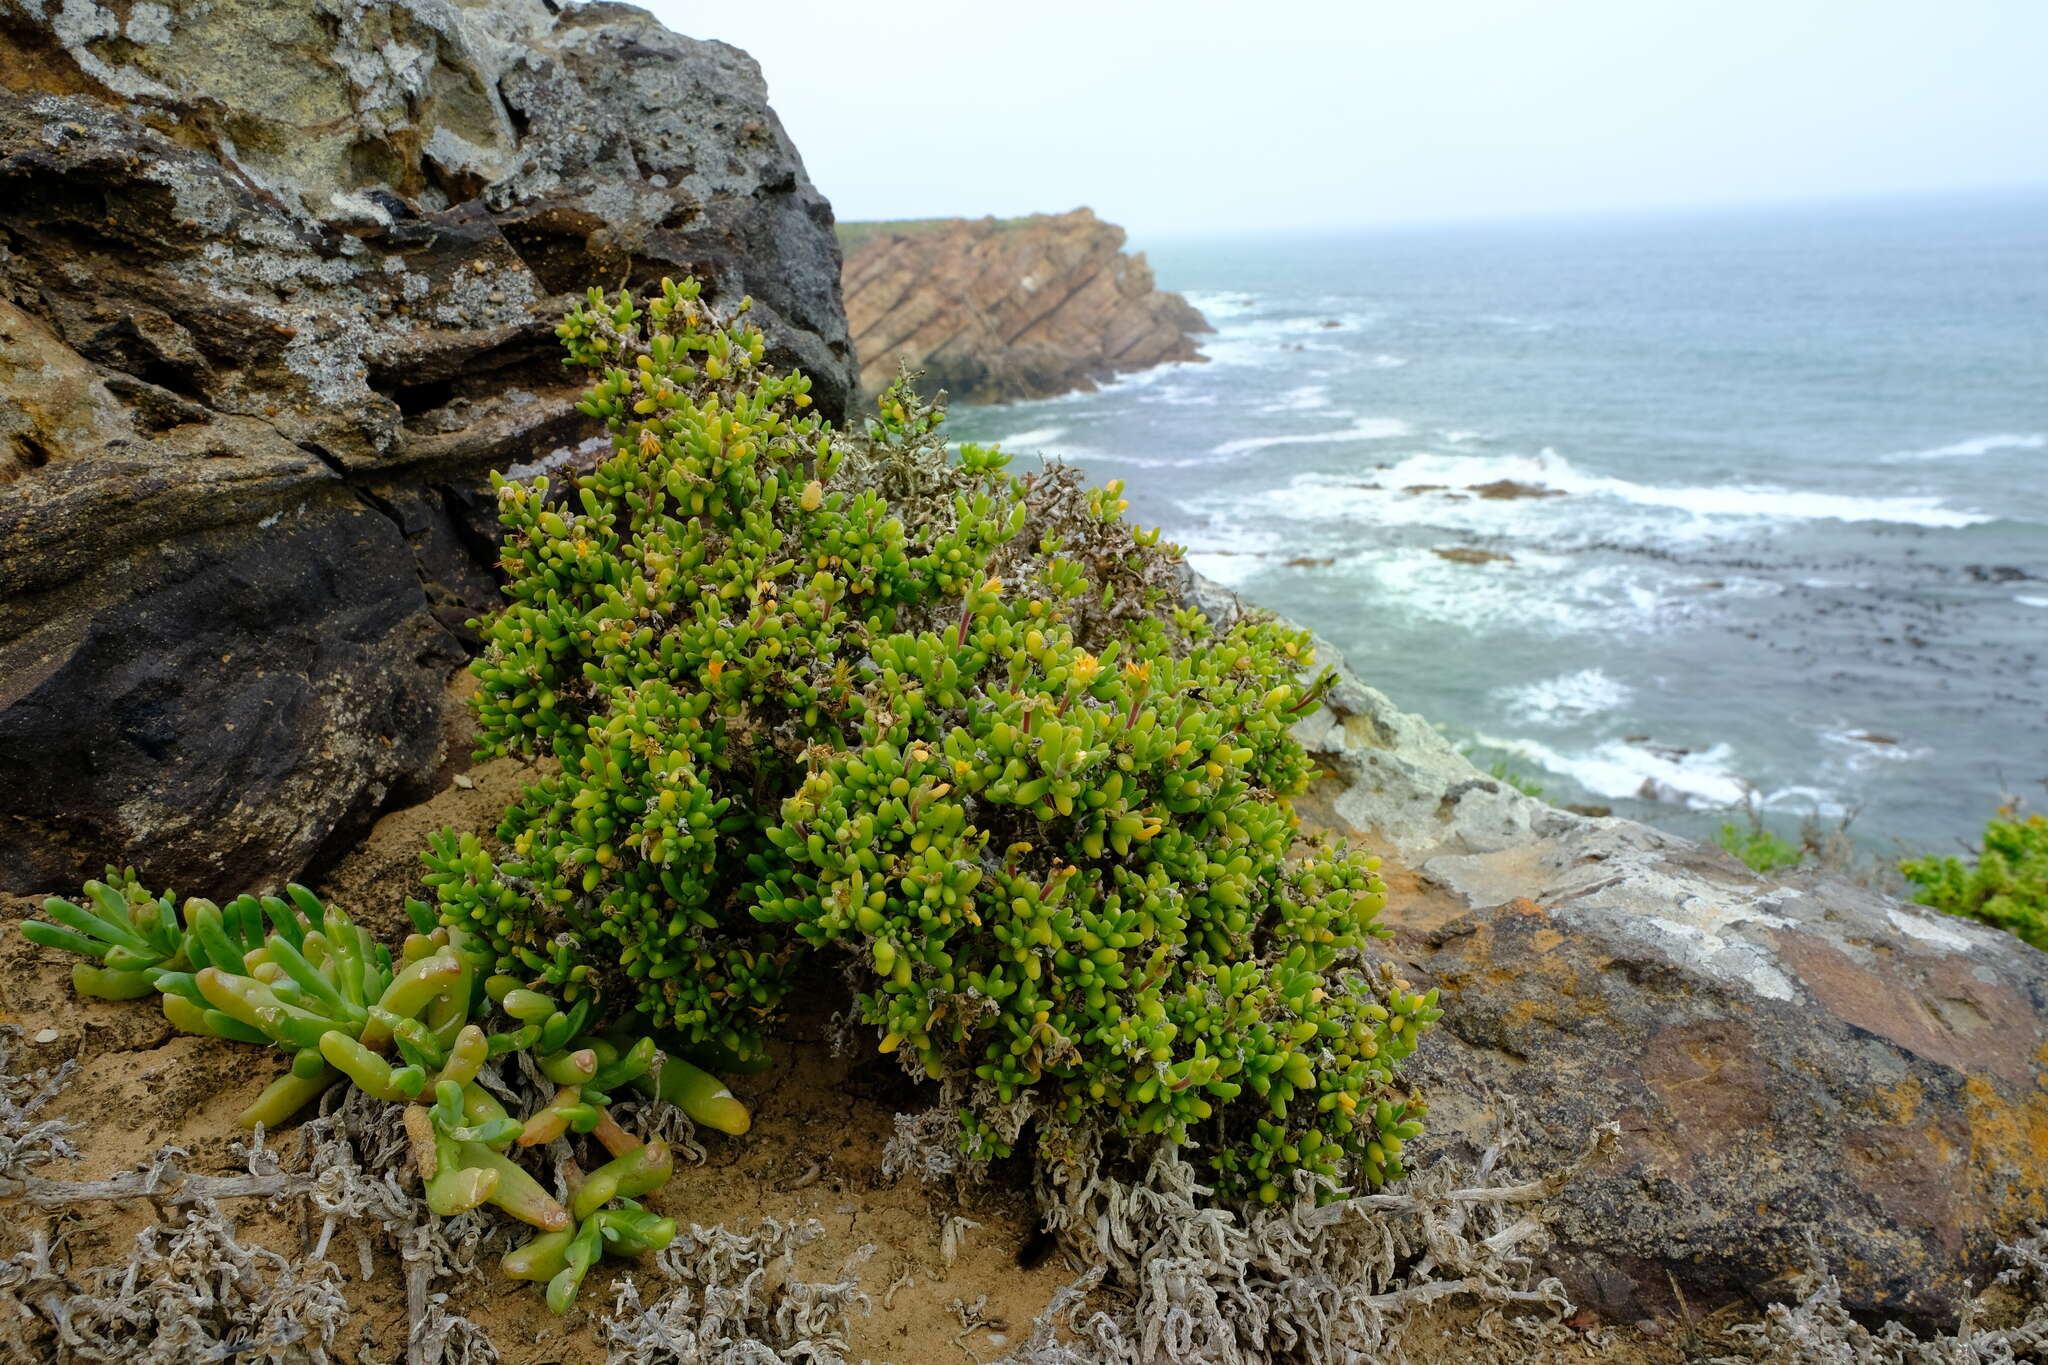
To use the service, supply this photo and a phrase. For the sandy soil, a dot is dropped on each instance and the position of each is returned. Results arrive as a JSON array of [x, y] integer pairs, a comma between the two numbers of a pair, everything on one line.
[[814, 1152]]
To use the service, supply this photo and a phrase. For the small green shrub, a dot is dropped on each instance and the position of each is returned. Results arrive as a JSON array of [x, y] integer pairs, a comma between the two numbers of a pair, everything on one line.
[[2006, 887], [810, 691], [1527, 786], [1762, 850]]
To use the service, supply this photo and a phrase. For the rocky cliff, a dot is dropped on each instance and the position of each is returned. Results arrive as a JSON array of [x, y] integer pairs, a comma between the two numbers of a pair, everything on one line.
[[999, 310], [278, 284], [1804, 1073]]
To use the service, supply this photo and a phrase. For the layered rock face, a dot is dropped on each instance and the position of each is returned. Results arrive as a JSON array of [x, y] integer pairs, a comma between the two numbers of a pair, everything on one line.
[[1799, 1068], [999, 310], [277, 286]]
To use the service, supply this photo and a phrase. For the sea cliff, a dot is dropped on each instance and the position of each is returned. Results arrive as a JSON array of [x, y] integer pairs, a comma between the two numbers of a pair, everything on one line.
[[249, 386], [997, 310]]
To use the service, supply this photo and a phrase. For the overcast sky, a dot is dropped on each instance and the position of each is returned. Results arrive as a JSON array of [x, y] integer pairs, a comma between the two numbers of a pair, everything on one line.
[[1193, 116]]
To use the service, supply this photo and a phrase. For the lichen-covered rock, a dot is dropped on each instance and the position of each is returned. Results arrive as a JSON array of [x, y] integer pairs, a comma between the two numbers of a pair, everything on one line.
[[995, 310], [278, 283], [1793, 1063]]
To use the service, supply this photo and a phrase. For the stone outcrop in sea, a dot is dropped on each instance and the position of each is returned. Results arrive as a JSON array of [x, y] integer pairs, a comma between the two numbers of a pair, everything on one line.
[[279, 285], [997, 310]]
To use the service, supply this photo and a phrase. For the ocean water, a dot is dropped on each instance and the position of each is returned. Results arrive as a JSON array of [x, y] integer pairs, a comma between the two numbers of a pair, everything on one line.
[[1791, 543]]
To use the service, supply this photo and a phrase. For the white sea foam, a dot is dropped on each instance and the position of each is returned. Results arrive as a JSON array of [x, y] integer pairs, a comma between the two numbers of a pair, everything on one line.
[[1565, 699], [1383, 361], [1051, 444], [1038, 438], [1864, 748], [1230, 549], [1132, 383], [1974, 446], [1551, 594], [1738, 585], [1362, 429], [1541, 593], [1808, 800], [1217, 304], [2027, 601], [1312, 494], [1244, 338], [1179, 396], [1262, 352], [1305, 398], [1700, 780]]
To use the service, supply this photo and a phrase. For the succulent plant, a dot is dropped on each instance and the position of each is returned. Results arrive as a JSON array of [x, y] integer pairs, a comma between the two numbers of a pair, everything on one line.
[[300, 975], [817, 691]]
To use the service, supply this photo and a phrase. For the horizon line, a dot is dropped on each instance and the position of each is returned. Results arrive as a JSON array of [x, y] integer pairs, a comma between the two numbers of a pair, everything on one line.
[[1664, 209]]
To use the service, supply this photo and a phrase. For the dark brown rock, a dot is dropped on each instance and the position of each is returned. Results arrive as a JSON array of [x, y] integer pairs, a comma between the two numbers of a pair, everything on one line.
[[998, 310], [278, 286], [1785, 1065]]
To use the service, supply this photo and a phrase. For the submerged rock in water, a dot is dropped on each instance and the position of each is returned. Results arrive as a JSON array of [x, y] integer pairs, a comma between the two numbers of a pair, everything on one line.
[[279, 285], [999, 310], [1799, 1067], [1505, 490], [1465, 554]]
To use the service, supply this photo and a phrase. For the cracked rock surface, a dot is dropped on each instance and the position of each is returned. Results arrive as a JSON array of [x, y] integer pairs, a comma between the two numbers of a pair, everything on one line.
[[1788, 1058], [278, 285]]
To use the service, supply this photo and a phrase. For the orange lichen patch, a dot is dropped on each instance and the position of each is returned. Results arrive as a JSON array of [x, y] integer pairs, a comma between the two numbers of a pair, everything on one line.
[[1493, 955], [2009, 1150], [1545, 940], [1521, 1015], [1522, 905], [1899, 1103]]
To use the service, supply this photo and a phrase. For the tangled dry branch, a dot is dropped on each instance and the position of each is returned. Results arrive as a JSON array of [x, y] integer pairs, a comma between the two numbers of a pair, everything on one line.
[[1183, 1280]]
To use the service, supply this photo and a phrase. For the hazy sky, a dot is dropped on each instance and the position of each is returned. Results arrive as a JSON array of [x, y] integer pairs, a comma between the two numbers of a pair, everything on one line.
[[1195, 115]]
